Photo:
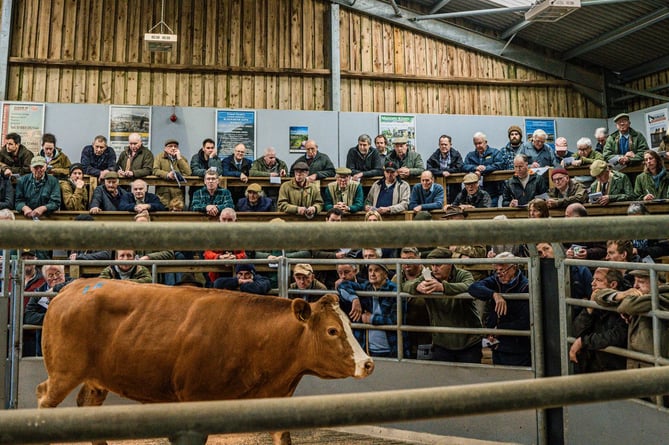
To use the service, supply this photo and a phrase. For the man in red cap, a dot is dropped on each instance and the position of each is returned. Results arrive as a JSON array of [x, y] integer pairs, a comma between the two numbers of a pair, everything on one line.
[[565, 190]]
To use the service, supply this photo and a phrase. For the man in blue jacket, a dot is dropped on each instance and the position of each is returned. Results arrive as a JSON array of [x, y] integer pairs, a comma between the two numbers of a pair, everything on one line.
[[427, 195]]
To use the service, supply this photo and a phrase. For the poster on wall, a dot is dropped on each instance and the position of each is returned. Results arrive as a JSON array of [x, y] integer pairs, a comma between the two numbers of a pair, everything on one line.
[[393, 126], [297, 137], [235, 127], [26, 119], [125, 120], [548, 125], [656, 127]]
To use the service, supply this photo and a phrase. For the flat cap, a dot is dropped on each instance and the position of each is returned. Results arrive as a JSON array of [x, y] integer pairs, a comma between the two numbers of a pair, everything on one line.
[[343, 171], [301, 166], [597, 167], [254, 188], [111, 175], [621, 116], [470, 178], [640, 273], [400, 140], [171, 141], [440, 252], [559, 171], [76, 166]]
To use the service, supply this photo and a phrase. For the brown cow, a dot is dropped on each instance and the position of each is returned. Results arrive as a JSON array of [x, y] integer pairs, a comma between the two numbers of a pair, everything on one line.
[[155, 343]]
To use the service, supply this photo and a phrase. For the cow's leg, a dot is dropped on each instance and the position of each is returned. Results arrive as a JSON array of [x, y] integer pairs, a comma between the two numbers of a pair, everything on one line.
[[281, 438], [53, 391], [91, 396]]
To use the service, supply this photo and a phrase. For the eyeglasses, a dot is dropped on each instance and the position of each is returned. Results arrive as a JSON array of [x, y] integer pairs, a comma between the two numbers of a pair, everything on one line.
[[52, 275], [559, 178], [134, 143], [503, 270]]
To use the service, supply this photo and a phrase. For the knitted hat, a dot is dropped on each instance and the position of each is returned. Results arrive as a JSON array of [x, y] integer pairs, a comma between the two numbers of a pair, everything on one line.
[[514, 128]]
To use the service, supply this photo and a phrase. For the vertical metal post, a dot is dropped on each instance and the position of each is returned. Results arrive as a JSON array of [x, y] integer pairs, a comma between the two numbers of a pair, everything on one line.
[[537, 339], [5, 38], [335, 59], [4, 333], [552, 344], [16, 340]]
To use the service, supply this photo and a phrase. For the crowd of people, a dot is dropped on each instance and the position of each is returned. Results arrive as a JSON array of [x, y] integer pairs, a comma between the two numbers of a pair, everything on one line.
[[49, 181]]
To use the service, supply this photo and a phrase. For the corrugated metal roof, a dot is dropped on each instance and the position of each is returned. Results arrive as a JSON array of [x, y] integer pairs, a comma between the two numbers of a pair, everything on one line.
[[579, 28]]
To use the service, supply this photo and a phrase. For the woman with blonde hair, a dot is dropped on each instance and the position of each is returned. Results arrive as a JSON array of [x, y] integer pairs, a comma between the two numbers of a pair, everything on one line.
[[373, 216]]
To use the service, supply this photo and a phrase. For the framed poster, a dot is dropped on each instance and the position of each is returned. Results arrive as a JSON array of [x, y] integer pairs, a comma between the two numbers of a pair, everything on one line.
[[548, 125], [125, 120], [656, 127], [298, 136], [403, 125], [235, 127], [26, 119]]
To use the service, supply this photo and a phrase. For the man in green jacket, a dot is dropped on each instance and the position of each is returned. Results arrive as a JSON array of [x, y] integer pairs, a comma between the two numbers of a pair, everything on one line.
[[447, 311], [136, 161], [300, 196], [626, 145], [410, 164], [38, 193], [613, 185], [320, 165]]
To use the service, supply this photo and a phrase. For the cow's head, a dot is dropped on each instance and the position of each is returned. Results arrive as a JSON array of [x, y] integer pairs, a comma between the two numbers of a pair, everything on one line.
[[333, 351]]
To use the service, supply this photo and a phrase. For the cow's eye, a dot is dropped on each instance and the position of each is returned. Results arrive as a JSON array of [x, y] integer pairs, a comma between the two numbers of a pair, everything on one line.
[[332, 331]]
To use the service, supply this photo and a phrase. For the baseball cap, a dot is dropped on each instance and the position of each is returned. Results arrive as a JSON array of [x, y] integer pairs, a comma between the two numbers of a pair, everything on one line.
[[390, 165], [561, 144], [303, 269], [38, 160], [254, 188], [28, 252]]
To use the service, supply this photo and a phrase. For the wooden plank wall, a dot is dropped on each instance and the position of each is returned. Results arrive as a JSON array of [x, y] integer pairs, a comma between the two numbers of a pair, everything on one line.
[[648, 83], [271, 54]]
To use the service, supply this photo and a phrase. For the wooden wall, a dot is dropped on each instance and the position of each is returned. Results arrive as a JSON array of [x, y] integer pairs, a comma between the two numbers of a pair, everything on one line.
[[648, 83], [271, 54]]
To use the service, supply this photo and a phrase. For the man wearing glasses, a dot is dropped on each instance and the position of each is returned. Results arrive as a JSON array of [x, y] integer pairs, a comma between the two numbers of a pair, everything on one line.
[[38, 193], [625, 146], [566, 191], [136, 161], [514, 314]]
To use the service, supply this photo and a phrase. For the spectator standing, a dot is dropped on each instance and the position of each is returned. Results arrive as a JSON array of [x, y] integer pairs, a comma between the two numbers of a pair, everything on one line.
[[304, 279], [107, 197], [344, 194], [299, 196], [254, 200], [140, 200], [246, 279], [427, 195], [320, 165], [171, 166], [614, 186], [390, 194], [502, 314], [482, 161], [211, 199], [523, 186], [98, 158], [37, 194], [625, 146], [14, 157], [136, 161], [512, 148], [449, 312], [57, 162], [381, 144], [409, 164], [596, 329], [653, 182], [363, 160], [130, 272], [73, 190], [445, 161], [538, 153]]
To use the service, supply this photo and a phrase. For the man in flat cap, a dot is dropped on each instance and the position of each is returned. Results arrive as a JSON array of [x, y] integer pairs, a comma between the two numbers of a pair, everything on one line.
[[409, 162], [107, 196], [344, 194], [363, 159], [254, 200], [171, 166], [38, 193], [449, 280], [303, 274], [613, 185], [472, 196], [299, 196], [625, 146]]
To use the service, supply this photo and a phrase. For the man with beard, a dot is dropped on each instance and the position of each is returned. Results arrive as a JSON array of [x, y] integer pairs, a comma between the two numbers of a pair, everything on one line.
[[512, 148], [14, 157]]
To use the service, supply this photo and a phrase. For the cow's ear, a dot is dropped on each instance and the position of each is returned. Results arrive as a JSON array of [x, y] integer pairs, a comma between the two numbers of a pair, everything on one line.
[[301, 309], [329, 299]]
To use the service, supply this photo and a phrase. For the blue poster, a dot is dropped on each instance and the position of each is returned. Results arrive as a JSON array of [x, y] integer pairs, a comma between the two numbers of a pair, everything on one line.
[[548, 125], [235, 127]]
